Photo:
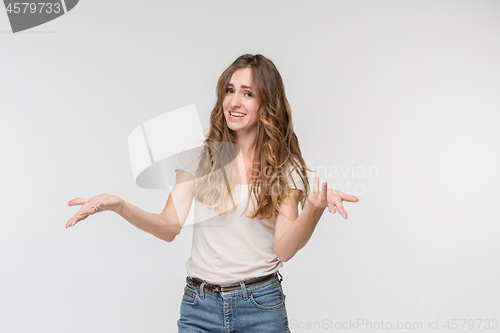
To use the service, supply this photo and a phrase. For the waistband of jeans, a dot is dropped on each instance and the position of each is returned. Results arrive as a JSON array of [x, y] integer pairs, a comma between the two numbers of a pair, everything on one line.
[[196, 283]]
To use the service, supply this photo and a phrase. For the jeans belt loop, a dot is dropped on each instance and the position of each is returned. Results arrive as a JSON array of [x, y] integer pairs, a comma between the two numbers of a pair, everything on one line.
[[244, 288], [202, 291]]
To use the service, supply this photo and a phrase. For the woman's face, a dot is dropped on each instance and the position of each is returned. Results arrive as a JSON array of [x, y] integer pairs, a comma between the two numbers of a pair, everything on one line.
[[240, 103]]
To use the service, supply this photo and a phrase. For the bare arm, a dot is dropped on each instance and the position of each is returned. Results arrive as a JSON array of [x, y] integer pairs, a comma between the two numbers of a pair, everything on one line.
[[164, 226], [155, 224], [291, 232], [170, 221]]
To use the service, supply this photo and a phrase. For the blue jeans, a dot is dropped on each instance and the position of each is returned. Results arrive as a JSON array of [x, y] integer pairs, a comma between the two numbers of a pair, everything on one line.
[[259, 308]]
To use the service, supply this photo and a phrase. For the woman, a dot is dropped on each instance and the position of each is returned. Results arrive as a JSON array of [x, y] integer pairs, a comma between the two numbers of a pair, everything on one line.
[[251, 151]]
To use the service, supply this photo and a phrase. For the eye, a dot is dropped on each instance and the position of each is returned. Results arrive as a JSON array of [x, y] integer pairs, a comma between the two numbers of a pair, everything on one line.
[[229, 91], [249, 94]]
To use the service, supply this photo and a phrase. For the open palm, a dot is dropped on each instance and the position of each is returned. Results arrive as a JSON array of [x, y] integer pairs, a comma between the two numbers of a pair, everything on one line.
[[99, 203]]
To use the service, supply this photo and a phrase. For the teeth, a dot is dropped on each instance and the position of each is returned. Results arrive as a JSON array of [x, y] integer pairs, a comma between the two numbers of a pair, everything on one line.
[[237, 114]]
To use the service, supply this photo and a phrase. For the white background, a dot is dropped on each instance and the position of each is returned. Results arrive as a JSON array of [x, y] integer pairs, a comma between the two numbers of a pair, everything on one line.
[[407, 88]]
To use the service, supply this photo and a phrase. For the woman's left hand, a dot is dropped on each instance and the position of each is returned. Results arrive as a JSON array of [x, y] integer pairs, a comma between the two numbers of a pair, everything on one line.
[[329, 197]]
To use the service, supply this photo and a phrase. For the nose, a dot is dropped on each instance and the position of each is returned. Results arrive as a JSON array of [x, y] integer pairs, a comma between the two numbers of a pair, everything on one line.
[[235, 101]]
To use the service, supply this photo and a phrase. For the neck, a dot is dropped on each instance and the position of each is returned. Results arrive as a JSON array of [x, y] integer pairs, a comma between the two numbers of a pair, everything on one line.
[[246, 142]]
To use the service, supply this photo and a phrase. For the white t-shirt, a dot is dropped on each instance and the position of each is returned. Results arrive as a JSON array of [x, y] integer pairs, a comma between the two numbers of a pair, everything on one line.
[[230, 248]]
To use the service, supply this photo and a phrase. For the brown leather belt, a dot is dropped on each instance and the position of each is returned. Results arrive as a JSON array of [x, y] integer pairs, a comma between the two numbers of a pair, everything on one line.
[[215, 288]]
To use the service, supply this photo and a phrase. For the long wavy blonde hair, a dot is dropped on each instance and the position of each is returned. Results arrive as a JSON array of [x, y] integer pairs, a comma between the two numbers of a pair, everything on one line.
[[277, 150]]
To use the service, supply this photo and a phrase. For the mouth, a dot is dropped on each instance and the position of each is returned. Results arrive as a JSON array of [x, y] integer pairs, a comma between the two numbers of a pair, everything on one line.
[[237, 115]]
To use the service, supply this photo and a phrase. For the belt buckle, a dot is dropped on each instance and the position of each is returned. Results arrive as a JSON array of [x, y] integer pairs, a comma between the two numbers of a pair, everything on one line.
[[210, 287]]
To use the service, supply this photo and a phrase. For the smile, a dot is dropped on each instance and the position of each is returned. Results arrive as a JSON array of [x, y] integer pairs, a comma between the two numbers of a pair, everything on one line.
[[236, 114]]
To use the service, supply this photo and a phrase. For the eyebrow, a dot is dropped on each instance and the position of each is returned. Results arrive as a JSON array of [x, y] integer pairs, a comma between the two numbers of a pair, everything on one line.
[[243, 86]]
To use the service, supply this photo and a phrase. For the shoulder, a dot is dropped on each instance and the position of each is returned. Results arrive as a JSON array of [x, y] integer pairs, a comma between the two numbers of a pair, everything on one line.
[[295, 175], [190, 156]]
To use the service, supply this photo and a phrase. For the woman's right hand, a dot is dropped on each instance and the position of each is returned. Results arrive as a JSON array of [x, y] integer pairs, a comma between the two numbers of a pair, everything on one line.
[[93, 205]]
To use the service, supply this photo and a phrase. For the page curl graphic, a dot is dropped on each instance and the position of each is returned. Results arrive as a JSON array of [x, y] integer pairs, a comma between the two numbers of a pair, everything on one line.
[[156, 145]]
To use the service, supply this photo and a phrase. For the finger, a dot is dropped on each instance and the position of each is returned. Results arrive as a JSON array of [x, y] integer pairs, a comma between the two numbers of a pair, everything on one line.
[[350, 198], [323, 192], [347, 197], [341, 209], [72, 221], [83, 213], [331, 208], [77, 201], [316, 185], [89, 210], [75, 219]]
